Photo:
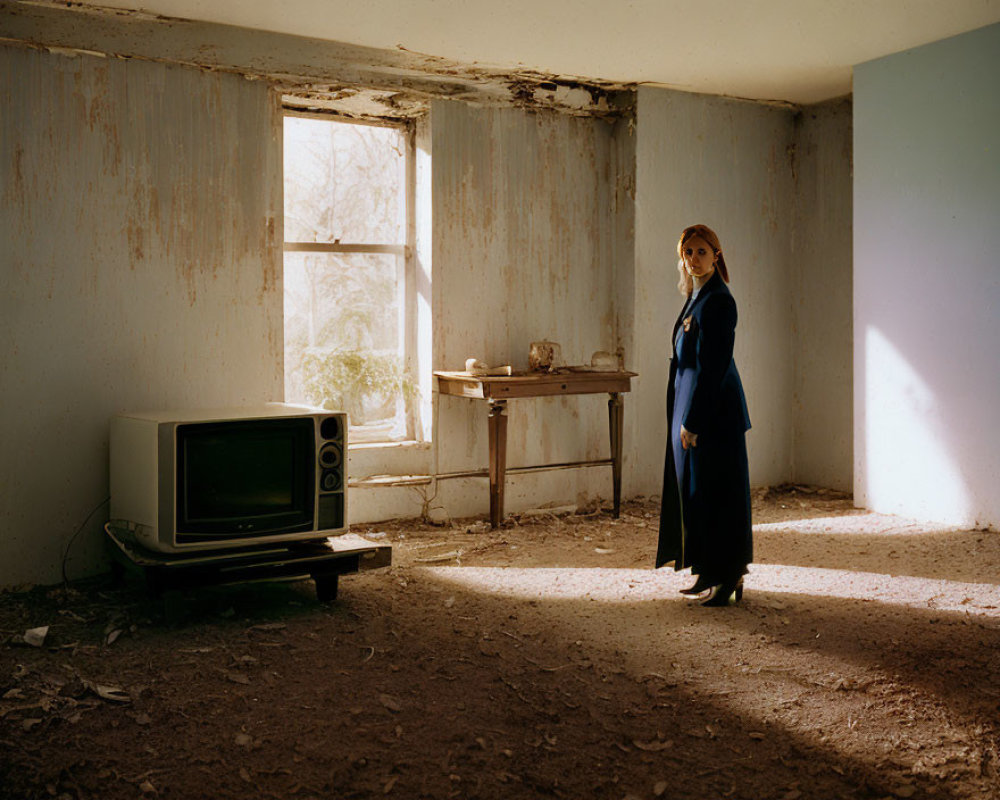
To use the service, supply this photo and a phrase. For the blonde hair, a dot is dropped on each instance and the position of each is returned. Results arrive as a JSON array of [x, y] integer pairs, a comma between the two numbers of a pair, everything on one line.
[[686, 284]]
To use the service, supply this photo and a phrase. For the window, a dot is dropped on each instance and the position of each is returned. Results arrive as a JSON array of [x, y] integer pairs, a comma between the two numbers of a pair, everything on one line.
[[349, 326]]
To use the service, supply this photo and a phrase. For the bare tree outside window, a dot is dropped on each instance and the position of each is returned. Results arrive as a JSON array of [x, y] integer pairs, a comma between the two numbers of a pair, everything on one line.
[[344, 273]]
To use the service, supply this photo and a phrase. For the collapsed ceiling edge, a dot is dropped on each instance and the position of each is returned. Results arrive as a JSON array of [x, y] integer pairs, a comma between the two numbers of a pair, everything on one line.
[[311, 74]]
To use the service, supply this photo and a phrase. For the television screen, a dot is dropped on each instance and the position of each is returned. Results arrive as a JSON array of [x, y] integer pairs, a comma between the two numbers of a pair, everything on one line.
[[249, 476]]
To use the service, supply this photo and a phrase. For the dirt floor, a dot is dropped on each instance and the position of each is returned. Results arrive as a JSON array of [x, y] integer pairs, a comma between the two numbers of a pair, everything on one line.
[[544, 659]]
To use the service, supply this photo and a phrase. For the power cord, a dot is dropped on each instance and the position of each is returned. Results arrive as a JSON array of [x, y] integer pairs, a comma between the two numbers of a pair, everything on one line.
[[72, 539]]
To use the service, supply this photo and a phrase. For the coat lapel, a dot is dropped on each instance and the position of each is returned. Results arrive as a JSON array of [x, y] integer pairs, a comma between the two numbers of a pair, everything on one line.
[[677, 324], [687, 311]]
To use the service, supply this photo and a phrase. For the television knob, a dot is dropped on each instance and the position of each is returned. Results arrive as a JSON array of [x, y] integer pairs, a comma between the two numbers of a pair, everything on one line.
[[330, 455], [331, 480]]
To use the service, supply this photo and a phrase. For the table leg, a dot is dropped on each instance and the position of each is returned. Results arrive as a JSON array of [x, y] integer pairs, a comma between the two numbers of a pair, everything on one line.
[[498, 458], [616, 418]]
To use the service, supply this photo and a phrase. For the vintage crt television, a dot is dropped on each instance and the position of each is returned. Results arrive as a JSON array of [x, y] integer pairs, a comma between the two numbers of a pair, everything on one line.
[[202, 480]]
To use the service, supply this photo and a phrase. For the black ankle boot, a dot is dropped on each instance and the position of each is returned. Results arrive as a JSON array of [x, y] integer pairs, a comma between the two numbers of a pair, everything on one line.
[[726, 593], [702, 584]]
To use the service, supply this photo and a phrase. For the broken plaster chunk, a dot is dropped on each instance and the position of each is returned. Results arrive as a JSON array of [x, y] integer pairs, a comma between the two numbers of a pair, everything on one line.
[[36, 636], [479, 526], [438, 516]]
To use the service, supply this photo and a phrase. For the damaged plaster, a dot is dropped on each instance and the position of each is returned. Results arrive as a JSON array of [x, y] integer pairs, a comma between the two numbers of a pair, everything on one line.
[[311, 74]]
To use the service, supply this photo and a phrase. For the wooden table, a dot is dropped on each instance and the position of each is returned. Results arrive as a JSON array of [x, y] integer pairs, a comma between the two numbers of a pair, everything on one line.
[[498, 390]]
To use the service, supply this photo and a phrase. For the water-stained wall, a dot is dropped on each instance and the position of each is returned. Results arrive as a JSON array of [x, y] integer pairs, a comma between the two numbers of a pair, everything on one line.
[[140, 268], [140, 204], [530, 233], [727, 164]]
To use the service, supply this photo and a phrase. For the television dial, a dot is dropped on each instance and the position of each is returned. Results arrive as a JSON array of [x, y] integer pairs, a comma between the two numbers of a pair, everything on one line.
[[330, 481], [330, 455]]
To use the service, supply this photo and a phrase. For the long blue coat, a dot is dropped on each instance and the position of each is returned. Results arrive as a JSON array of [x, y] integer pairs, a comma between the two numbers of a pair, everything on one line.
[[705, 513]]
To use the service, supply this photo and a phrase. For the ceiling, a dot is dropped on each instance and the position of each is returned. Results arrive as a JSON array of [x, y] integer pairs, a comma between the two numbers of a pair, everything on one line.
[[800, 51]]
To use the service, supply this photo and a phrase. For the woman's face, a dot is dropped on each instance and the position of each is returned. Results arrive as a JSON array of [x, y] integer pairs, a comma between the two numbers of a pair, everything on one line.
[[699, 258]]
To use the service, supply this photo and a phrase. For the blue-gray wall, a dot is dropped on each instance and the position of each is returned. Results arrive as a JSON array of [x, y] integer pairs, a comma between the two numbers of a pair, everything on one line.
[[927, 280]]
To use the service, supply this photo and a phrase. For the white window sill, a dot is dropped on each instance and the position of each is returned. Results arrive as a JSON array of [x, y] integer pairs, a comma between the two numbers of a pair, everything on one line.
[[366, 459], [396, 446]]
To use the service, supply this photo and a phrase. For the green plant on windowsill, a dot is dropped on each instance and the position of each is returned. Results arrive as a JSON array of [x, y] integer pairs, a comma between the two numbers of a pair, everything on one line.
[[354, 381]]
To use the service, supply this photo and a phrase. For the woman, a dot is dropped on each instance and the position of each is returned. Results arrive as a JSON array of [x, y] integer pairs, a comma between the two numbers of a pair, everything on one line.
[[705, 512]]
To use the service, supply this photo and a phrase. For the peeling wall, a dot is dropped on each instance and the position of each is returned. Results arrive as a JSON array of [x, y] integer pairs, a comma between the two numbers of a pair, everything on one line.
[[727, 164], [355, 81], [527, 237], [822, 321], [140, 205]]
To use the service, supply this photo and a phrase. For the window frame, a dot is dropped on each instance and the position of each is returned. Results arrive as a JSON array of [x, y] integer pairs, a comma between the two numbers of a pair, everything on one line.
[[406, 270]]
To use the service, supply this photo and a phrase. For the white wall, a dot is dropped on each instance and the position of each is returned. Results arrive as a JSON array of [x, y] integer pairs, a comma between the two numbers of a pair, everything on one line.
[[528, 242], [927, 281], [727, 164], [140, 211], [822, 317]]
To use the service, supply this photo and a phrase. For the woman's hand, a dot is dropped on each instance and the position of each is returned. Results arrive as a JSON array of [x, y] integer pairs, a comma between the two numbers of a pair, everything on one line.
[[688, 439]]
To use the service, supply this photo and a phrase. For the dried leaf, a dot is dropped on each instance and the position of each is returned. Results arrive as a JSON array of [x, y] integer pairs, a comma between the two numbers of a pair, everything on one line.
[[653, 746], [113, 636], [390, 702], [237, 677], [245, 775], [488, 649], [757, 735], [112, 694], [243, 740], [36, 636], [147, 788], [389, 784], [660, 788]]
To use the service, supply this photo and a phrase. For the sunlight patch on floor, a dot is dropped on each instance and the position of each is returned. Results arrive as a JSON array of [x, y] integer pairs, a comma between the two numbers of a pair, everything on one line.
[[869, 524], [765, 585]]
